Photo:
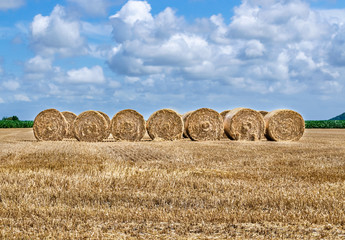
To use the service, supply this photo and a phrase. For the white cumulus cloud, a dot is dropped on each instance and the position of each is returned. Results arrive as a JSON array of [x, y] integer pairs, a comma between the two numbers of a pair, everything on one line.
[[11, 85], [11, 4], [273, 46], [38, 64], [86, 75], [57, 34], [21, 98]]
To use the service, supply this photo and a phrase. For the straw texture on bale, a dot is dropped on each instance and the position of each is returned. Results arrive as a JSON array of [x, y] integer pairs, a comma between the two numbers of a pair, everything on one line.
[[284, 125], [244, 124], [128, 125], [204, 124], [184, 119], [263, 113], [106, 117], [70, 117], [165, 124], [223, 114], [50, 125], [90, 126]]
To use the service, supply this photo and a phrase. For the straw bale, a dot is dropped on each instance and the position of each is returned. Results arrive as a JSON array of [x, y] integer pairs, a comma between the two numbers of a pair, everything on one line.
[[244, 124], [223, 114], [184, 119], [70, 117], [50, 125], [165, 124], [106, 117], [90, 126], [284, 125], [128, 125], [204, 124], [263, 113]]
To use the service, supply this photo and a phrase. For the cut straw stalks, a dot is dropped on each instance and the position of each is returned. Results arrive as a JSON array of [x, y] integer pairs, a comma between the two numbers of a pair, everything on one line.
[[204, 124], [106, 117], [184, 118], [284, 125], [128, 125], [244, 124], [165, 124], [223, 114], [70, 117], [50, 125], [90, 126]]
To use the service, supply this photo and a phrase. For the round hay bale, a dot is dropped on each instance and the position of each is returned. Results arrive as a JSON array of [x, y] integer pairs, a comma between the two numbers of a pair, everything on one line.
[[50, 125], [165, 124], [244, 124], [128, 125], [70, 117], [263, 113], [284, 125], [106, 117], [184, 118], [90, 126], [204, 124], [223, 114]]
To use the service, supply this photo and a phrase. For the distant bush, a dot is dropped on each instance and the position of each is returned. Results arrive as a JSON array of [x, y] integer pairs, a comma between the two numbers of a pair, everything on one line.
[[325, 124], [13, 118], [16, 124]]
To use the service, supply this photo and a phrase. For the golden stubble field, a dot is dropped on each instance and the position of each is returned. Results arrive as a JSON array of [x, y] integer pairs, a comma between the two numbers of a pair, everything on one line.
[[172, 190]]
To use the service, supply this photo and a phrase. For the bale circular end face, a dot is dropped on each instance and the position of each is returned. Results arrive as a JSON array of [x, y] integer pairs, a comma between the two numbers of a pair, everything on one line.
[[263, 113], [50, 125], [223, 114], [184, 119], [90, 126], [70, 117], [165, 124], [128, 125], [284, 125], [106, 117], [244, 124], [204, 125]]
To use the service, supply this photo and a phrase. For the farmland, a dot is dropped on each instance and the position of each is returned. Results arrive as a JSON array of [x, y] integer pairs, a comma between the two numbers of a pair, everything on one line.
[[172, 190]]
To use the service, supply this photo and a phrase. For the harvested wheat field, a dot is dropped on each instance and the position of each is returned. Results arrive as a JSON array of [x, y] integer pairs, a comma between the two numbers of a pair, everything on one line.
[[172, 190]]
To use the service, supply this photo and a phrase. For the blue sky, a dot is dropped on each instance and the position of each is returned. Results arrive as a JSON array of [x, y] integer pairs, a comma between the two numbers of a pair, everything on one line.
[[110, 55]]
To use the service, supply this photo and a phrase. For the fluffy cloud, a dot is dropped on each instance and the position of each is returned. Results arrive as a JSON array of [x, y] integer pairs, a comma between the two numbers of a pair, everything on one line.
[[6, 4], [1, 100], [21, 98], [38, 64], [11, 85], [57, 34], [86, 75], [270, 46]]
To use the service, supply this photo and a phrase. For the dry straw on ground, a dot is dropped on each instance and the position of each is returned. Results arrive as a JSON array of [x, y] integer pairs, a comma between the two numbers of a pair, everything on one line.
[[50, 125], [204, 124], [70, 117], [90, 126], [184, 119], [244, 124], [128, 125], [263, 113], [106, 117], [165, 124], [284, 125], [223, 114]]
